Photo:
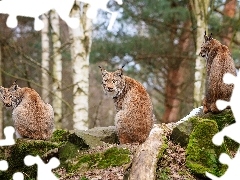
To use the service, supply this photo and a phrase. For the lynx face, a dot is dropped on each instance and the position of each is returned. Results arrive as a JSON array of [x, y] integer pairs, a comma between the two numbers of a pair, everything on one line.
[[14, 93], [6, 96], [206, 46], [112, 82]]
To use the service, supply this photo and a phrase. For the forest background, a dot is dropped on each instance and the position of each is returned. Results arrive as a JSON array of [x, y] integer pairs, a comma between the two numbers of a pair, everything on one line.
[[157, 41]]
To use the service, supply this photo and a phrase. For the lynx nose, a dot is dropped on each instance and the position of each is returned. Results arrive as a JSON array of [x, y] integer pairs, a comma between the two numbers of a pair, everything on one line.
[[8, 105], [110, 89]]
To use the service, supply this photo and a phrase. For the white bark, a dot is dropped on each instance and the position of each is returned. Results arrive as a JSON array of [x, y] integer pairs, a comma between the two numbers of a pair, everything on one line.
[[80, 50], [57, 70], [45, 60], [200, 9], [1, 108]]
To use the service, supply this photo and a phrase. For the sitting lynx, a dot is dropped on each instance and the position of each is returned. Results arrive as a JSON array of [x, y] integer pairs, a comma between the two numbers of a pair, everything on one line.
[[219, 62], [134, 118], [31, 116]]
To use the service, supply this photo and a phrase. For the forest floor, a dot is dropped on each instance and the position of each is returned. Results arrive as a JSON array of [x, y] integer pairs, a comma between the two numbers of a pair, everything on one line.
[[171, 166]]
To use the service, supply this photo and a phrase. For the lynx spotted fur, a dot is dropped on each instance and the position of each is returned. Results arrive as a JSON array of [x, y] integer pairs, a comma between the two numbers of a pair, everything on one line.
[[134, 118], [32, 117], [219, 62]]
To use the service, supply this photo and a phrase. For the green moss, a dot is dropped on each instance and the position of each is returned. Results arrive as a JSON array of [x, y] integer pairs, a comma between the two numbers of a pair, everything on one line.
[[222, 119], [110, 158], [202, 154], [64, 151], [84, 178], [163, 173], [114, 157], [163, 147], [60, 135], [15, 155]]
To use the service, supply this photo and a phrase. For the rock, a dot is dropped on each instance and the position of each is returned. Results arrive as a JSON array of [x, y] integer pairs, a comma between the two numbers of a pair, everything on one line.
[[182, 130], [15, 154], [202, 154], [65, 145], [195, 135], [98, 135]]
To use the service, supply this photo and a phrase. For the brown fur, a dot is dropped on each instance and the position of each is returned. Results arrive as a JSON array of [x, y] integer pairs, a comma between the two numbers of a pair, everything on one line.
[[31, 116], [5, 97], [219, 62], [134, 118]]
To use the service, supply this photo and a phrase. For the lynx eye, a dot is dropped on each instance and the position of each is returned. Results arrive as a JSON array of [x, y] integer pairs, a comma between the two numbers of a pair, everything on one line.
[[113, 81], [4, 97]]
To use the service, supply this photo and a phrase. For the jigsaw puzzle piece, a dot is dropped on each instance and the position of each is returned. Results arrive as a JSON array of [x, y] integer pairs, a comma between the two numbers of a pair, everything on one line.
[[18, 176], [8, 133], [3, 165], [44, 170], [231, 131], [232, 172]]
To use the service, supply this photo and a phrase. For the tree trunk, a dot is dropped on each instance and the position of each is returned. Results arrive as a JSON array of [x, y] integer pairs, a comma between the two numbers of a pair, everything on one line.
[[45, 60], [177, 78], [57, 70], [199, 9], [81, 45], [229, 11], [1, 108]]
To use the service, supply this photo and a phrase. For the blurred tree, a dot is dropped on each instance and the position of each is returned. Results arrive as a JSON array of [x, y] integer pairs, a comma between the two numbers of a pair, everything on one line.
[[229, 11], [199, 9], [57, 69], [45, 59], [81, 39], [1, 107]]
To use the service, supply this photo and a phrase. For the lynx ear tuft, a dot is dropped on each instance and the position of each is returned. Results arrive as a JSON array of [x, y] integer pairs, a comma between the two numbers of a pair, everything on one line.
[[119, 72], [103, 70], [205, 37], [1, 89], [14, 86], [210, 37]]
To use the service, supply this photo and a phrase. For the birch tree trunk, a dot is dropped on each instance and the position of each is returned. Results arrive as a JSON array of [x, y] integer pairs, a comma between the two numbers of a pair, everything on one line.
[[199, 8], [80, 50], [45, 60], [57, 70], [1, 108]]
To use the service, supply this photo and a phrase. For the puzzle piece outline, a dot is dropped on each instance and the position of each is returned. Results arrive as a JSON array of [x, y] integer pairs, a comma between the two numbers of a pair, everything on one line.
[[62, 7], [230, 131], [43, 170]]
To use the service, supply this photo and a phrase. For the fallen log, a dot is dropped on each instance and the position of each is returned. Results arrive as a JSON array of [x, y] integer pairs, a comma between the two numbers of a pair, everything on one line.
[[146, 156]]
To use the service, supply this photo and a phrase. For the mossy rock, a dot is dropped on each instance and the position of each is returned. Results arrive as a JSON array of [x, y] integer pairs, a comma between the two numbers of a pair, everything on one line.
[[202, 154], [98, 136], [111, 157], [15, 155], [63, 144], [181, 132]]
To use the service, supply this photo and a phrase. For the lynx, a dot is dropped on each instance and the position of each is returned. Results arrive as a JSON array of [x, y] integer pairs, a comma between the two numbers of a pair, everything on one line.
[[32, 117], [134, 118], [219, 62]]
